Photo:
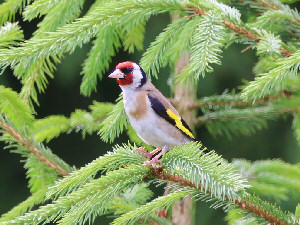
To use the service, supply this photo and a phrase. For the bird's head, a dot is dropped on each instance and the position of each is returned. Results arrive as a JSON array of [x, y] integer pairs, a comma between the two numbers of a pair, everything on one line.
[[129, 74]]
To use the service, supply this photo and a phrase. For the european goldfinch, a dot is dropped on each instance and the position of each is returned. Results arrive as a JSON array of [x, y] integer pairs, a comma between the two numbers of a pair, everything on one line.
[[150, 114]]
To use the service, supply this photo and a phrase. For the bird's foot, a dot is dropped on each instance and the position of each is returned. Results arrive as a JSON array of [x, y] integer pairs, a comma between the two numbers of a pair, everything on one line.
[[149, 155], [154, 156], [143, 151], [157, 153], [153, 161]]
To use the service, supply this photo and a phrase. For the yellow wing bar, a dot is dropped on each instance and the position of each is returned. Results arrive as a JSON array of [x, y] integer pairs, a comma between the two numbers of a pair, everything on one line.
[[179, 124]]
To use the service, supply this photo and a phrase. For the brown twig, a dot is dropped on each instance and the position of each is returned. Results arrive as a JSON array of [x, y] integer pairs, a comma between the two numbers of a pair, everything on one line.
[[246, 49], [284, 93], [259, 211], [32, 148], [241, 31], [202, 119], [238, 29], [194, 105], [268, 5], [160, 173]]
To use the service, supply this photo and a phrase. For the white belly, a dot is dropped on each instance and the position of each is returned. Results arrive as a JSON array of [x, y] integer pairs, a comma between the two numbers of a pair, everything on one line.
[[153, 129], [154, 133]]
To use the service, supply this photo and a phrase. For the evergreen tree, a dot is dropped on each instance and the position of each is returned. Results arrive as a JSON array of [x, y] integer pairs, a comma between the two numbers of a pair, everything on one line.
[[118, 183]]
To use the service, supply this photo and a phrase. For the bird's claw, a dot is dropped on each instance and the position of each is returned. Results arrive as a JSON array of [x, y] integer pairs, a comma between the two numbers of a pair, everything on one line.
[[155, 159], [152, 162], [144, 152], [157, 153]]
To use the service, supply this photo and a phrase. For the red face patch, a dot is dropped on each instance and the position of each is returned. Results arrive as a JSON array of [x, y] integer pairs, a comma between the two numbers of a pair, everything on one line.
[[127, 80], [124, 65], [126, 68]]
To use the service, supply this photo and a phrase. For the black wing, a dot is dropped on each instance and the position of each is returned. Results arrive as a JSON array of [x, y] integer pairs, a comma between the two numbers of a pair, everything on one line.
[[169, 116]]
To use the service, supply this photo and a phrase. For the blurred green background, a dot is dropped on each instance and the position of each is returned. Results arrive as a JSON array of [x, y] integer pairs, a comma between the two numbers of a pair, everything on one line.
[[63, 96]]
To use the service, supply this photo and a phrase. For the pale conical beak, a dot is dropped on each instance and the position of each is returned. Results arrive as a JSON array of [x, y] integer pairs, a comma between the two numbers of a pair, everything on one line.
[[116, 74]]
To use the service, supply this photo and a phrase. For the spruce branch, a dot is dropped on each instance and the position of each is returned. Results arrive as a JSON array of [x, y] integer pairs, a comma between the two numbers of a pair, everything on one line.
[[153, 57], [238, 29], [104, 48], [206, 47], [235, 100], [9, 8], [281, 10], [246, 204], [107, 43], [238, 114], [81, 196], [39, 174], [230, 114], [197, 175], [35, 74], [13, 107], [69, 36], [241, 31], [45, 50], [273, 179], [134, 37], [91, 200], [297, 214], [86, 122], [10, 35], [48, 128], [207, 172], [58, 14], [131, 198], [98, 204], [35, 199], [152, 207], [273, 81], [115, 123], [236, 215], [259, 211], [267, 4], [34, 149], [182, 41], [38, 8], [237, 127], [121, 155]]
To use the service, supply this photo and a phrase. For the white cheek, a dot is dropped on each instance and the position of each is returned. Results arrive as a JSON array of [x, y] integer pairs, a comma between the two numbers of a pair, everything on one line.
[[137, 77]]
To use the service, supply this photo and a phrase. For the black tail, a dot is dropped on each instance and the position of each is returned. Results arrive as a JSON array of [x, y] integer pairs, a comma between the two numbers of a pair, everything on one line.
[[204, 149]]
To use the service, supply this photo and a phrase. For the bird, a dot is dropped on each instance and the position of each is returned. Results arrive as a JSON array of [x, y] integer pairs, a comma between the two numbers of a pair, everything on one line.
[[150, 113]]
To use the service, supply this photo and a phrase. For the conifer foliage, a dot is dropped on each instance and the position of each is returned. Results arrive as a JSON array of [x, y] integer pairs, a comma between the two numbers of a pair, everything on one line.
[[118, 183]]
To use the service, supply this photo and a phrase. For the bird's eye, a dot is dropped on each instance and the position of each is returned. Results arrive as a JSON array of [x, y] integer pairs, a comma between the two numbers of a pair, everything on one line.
[[127, 70]]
